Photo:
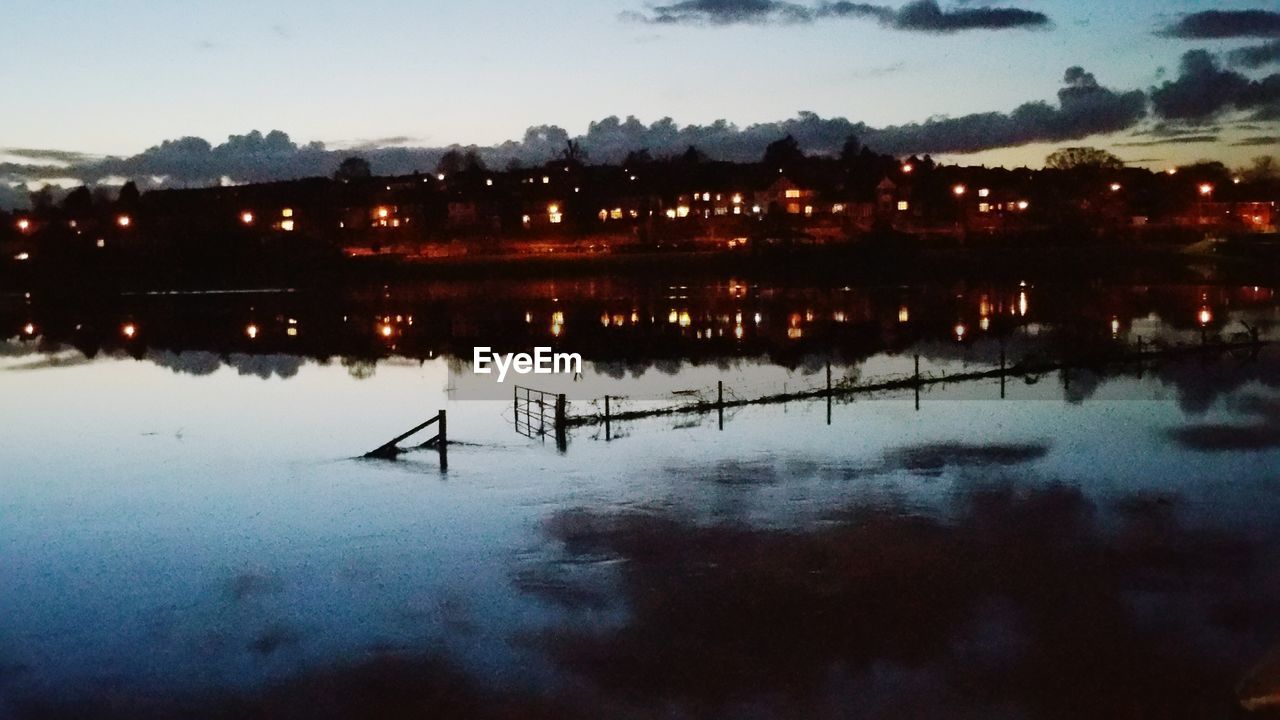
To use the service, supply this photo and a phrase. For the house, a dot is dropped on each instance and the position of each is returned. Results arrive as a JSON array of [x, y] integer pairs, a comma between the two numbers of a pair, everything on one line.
[[787, 197]]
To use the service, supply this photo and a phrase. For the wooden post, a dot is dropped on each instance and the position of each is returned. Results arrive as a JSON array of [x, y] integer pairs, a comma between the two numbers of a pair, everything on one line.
[[1002, 373], [720, 401], [828, 391], [608, 435], [917, 382], [442, 443], [561, 420]]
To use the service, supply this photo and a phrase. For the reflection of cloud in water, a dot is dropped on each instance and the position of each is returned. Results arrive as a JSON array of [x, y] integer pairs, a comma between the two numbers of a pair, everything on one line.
[[935, 457], [1263, 433], [206, 363], [1023, 603]]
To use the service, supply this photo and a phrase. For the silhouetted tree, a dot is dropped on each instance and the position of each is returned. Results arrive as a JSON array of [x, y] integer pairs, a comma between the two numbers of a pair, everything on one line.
[[472, 162], [573, 152], [452, 162], [1083, 157], [1263, 168], [693, 156], [850, 150], [637, 157], [42, 200], [129, 196], [353, 168], [782, 153], [78, 202]]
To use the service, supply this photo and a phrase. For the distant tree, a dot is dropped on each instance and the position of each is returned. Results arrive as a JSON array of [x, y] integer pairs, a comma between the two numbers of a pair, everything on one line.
[[1263, 168], [850, 150], [1083, 157], [451, 163], [129, 195], [637, 157], [514, 164], [693, 156], [78, 202], [42, 200], [782, 153], [353, 168], [473, 162], [573, 152]]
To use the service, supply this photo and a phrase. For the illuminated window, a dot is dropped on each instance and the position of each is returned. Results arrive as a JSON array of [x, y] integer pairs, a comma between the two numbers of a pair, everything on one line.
[[706, 197], [808, 211], [793, 208], [604, 215], [737, 209], [903, 205], [837, 208], [793, 193], [984, 192], [525, 220], [286, 225], [737, 199], [616, 213], [287, 212], [682, 211], [984, 207]]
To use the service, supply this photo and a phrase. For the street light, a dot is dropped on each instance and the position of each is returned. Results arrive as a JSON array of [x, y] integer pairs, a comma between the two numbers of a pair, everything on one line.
[[1115, 187], [1206, 189], [959, 190]]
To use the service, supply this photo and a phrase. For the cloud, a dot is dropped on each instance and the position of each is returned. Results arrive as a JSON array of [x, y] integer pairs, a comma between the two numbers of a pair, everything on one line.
[[1256, 56], [917, 16], [1203, 90], [1258, 140], [46, 155], [1175, 140], [1225, 24], [1083, 108]]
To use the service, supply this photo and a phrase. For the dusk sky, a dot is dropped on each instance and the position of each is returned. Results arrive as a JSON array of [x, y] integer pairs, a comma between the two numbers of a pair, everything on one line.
[[115, 78]]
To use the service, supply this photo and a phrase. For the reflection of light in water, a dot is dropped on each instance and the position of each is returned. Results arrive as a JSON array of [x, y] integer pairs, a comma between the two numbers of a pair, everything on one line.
[[292, 332], [794, 320], [984, 324], [29, 329], [758, 318], [618, 320], [556, 329], [839, 316], [795, 333], [1205, 316], [1022, 303], [386, 330], [960, 331], [808, 316], [685, 320], [737, 331], [1115, 327], [528, 317], [673, 317], [605, 319], [129, 330], [984, 307], [251, 330], [904, 314], [557, 317], [635, 317]]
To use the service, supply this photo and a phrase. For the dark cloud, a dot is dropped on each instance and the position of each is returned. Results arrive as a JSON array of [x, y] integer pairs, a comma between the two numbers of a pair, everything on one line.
[[1256, 56], [1084, 108], [1175, 140], [918, 16], [1203, 90], [1258, 140], [1225, 24], [47, 155]]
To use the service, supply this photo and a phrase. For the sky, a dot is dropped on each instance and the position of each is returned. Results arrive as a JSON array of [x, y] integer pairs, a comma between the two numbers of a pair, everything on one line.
[[114, 77]]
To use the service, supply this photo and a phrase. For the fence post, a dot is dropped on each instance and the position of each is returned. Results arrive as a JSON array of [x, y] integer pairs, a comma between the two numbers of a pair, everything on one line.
[[720, 401], [917, 382], [828, 391], [442, 443], [607, 434], [562, 438]]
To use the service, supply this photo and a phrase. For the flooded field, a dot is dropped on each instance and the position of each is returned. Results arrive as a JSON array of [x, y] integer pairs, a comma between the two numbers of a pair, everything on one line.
[[187, 528]]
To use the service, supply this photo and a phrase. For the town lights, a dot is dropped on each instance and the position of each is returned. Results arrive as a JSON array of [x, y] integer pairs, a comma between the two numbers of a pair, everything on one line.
[[124, 221], [1172, 171], [383, 212], [129, 330], [960, 331], [246, 217], [959, 190], [1206, 189], [251, 331], [1115, 187], [1205, 316], [1023, 204], [385, 330], [29, 329], [24, 224], [908, 168]]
